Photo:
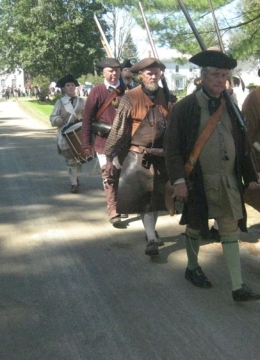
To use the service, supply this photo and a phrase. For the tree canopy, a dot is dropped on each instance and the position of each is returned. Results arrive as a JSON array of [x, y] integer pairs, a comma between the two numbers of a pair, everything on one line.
[[49, 37], [55, 37], [239, 30]]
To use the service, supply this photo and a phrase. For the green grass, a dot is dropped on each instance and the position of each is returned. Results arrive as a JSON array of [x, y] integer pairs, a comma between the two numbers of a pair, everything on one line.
[[37, 109]]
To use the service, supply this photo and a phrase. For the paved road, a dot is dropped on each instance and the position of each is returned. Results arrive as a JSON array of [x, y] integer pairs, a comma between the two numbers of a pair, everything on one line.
[[72, 287]]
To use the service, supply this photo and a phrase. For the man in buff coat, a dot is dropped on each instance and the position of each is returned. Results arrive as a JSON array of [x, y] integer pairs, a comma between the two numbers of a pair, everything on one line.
[[138, 129], [66, 111]]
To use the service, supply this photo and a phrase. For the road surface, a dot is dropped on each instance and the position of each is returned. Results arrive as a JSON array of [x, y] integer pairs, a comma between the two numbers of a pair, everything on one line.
[[72, 287]]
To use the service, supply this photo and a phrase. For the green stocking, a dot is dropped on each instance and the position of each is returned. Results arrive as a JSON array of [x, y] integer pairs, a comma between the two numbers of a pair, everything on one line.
[[192, 248], [231, 252]]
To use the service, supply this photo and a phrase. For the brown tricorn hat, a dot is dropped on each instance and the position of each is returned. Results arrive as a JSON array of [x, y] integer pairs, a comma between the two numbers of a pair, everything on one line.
[[108, 62], [213, 58], [66, 79], [147, 63]]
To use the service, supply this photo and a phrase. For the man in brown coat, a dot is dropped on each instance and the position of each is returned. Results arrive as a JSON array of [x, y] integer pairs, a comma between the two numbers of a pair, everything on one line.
[[139, 128], [214, 187]]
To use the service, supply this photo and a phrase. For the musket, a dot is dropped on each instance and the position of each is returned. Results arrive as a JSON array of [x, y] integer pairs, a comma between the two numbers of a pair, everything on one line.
[[226, 94], [220, 41], [103, 39], [169, 97], [216, 27], [107, 49]]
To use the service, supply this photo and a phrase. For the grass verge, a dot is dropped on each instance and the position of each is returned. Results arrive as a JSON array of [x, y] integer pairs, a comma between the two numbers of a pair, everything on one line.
[[36, 109]]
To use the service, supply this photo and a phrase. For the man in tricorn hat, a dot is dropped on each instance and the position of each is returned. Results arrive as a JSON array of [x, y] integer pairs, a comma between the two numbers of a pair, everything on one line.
[[206, 175], [101, 105], [139, 128], [66, 111], [127, 75]]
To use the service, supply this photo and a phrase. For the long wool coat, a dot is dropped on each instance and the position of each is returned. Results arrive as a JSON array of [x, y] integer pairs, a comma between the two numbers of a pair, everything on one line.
[[180, 137]]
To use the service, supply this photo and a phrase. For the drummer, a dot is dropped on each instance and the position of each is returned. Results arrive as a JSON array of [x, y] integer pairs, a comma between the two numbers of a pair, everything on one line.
[[67, 110]]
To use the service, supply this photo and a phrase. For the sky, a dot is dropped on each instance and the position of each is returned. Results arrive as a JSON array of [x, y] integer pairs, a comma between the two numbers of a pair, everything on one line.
[[140, 36]]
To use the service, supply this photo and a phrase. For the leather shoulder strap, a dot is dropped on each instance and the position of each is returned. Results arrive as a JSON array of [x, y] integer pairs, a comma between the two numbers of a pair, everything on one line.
[[107, 102], [203, 138]]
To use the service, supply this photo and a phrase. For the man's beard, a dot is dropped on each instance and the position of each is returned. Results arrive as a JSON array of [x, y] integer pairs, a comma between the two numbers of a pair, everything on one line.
[[151, 86]]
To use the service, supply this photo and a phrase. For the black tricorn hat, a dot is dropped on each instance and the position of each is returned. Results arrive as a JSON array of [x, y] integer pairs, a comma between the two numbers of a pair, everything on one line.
[[213, 58], [108, 62], [147, 63], [126, 64], [66, 79]]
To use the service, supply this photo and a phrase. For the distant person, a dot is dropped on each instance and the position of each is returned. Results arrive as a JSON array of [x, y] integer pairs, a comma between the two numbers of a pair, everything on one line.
[[66, 111], [127, 75], [194, 86], [239, 91], [230, 89], [7, 93], [251, 87]]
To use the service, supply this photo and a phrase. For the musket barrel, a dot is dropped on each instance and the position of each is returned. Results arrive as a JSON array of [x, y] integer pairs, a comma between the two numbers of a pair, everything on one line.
[[216, 27], [225, 92], [170, 98], [103, 39], [148, 32]]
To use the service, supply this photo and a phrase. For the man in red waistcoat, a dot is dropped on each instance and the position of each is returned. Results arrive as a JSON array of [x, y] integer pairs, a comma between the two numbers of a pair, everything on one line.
[[98, 108]]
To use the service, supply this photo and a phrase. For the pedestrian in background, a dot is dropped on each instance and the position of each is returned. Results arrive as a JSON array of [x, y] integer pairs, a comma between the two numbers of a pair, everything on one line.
[[127, 75]]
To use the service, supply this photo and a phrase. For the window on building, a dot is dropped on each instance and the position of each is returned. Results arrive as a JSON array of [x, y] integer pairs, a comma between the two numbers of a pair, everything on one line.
[[191, 69], [2, 82], [13, 82], [177, 84], [176, 68]]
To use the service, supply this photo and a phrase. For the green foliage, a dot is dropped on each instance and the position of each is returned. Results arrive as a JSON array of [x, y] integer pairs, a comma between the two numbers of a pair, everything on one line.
[[169, 26], [43, 82], [93, 79], [245, 40], [129, 50], [49, 37]]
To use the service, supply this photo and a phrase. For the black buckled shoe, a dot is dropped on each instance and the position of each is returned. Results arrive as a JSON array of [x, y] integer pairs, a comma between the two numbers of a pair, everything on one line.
[[74, 189], [245, 294], [151, 248], [197, 278], [158, 239], [115, 220]]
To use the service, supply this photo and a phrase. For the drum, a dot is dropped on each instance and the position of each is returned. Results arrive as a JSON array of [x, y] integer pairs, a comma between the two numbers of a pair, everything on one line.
[[72, 133]]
